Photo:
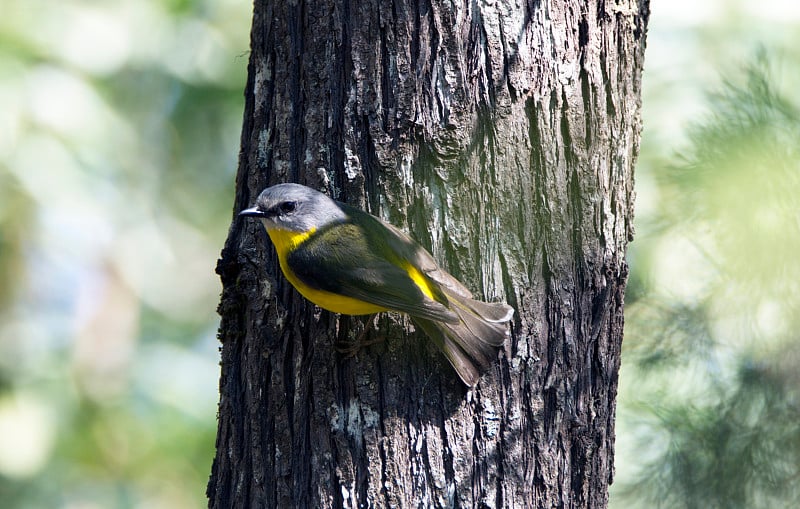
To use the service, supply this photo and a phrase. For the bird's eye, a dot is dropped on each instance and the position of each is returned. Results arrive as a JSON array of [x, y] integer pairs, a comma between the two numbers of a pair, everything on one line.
[[288, 207]]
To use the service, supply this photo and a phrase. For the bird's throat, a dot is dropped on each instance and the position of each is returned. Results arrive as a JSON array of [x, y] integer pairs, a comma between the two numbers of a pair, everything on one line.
[[286, 241]]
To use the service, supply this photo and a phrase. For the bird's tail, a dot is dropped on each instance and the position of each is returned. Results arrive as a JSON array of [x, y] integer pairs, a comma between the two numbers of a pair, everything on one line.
[[470, 344]]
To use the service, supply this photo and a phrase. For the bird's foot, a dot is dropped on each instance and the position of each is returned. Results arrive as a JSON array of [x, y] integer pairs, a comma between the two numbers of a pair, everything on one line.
[[351, 348]]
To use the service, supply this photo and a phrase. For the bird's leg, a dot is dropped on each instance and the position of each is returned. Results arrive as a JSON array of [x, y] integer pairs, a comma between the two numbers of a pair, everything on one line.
[[350, 348]]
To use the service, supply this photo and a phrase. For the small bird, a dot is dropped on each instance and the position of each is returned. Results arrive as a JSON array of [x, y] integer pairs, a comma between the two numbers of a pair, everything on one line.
[[348, 261]]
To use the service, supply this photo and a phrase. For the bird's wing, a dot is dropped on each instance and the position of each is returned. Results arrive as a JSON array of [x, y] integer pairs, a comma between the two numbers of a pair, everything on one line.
[[400, 242], [359, 261]]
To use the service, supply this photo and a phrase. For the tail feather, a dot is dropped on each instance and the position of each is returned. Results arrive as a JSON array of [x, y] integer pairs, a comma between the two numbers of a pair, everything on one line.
[[496, 312], [472, 343]]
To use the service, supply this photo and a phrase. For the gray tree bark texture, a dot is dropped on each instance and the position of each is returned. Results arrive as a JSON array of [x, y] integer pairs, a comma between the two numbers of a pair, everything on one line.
[[502, 135]]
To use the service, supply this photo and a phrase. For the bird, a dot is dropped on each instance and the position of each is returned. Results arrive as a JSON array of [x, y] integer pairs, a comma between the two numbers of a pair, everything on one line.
[[350, 262]]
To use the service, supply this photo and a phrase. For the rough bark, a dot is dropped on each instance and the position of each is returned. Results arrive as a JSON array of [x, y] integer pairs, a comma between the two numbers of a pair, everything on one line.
[[503, 136]]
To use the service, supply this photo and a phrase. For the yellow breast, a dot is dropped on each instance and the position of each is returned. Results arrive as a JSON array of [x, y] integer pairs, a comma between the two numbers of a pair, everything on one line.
[[285, 242]]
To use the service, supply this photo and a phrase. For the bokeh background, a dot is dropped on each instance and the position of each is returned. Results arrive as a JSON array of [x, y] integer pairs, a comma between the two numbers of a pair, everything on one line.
[[119, 132]]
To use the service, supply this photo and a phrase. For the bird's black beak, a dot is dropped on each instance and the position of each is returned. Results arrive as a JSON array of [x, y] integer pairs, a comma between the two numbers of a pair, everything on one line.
[[252, 212]]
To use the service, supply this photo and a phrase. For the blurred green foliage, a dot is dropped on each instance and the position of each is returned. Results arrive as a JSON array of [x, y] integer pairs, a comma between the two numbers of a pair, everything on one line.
[[119, 131], [709, 403]]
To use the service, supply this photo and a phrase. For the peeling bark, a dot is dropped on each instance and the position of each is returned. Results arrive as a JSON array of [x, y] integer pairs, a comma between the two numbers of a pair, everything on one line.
[[503, 136]]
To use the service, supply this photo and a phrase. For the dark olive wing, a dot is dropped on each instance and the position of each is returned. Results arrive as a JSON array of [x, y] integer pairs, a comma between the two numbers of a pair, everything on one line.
[[423, 260], [356, 259]]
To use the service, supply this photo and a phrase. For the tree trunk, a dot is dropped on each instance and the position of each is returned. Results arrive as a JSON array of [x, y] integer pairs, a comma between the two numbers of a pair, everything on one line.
[[503, 137]]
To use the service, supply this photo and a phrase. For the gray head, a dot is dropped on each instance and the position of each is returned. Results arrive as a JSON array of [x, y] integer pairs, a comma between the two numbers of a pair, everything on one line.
[[294, 207]]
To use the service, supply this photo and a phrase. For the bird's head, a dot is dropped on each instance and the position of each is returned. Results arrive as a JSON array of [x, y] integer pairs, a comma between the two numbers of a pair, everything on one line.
[[295, 208]]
